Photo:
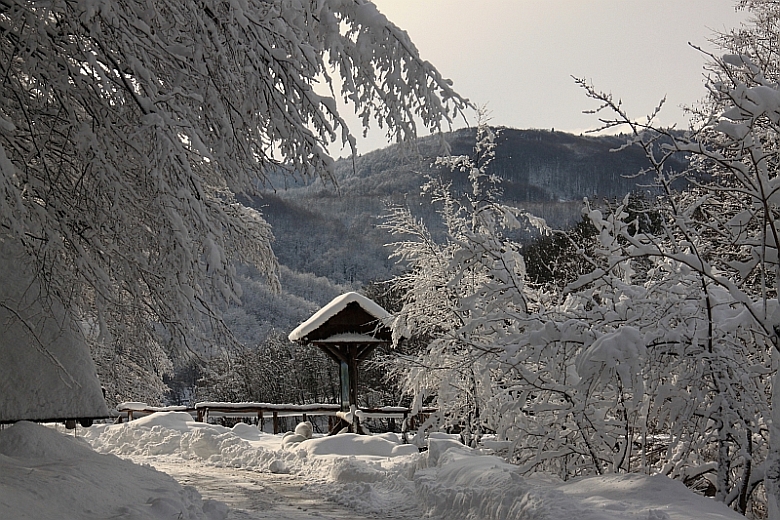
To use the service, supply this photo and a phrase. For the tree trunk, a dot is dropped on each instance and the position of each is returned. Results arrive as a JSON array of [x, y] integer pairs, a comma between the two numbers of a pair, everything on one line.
[[772, 478], [724, 465], [745, 490]]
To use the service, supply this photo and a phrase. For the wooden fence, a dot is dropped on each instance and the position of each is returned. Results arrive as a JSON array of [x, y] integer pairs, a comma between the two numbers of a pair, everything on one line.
[[262, 411]]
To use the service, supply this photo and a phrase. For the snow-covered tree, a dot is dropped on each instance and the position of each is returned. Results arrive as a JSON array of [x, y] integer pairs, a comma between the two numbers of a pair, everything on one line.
[[663, 355], [722, 234], [126, 128], [275, 371], [452, 288], [656, 359]]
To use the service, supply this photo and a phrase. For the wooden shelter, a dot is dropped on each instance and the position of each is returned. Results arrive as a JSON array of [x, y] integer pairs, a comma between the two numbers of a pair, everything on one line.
[[347, 329]]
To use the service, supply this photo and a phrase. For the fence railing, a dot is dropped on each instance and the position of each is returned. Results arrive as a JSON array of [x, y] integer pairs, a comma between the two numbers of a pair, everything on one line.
[[262, 411]]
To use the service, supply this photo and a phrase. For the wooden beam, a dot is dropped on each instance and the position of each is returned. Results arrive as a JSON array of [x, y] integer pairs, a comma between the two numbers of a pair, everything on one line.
[[333, 351]]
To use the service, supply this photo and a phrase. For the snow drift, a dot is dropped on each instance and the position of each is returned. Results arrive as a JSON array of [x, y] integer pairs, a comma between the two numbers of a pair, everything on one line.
[[47, 475]]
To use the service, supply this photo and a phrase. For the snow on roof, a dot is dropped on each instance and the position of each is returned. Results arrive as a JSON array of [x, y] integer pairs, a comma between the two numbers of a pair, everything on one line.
[[337, 305], [46, 370], [350, 338]]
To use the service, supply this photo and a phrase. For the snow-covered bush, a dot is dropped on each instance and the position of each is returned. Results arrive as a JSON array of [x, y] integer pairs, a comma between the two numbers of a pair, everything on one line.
[[660, 357]]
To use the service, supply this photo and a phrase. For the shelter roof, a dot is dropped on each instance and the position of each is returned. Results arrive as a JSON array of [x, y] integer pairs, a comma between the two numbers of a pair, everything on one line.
[[349, 318]]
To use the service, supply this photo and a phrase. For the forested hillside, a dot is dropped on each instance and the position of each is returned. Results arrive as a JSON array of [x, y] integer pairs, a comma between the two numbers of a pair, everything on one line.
[[331, 229]]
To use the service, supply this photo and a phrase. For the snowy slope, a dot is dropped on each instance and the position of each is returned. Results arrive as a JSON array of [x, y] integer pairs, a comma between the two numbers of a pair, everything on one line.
[[46, 475]]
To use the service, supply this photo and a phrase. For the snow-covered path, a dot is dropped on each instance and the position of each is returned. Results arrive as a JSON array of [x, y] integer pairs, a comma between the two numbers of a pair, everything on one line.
[[256, 496], [264, 476], [241, 473]]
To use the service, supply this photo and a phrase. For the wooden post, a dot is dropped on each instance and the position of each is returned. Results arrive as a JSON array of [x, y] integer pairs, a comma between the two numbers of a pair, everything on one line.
[[353, 375], [346, 385], [260, 420], [276, 422], [352, 362], [355, 426]]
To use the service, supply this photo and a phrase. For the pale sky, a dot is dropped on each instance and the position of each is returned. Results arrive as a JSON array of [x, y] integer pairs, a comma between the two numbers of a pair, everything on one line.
[[518, 56]]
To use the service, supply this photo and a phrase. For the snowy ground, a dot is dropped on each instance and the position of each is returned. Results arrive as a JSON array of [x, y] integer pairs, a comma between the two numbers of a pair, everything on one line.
[[243, 474]]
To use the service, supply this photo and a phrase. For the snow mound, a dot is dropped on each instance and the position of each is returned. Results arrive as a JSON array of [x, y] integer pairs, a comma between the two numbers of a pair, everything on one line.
[[247, 431], [611, 497], [46, 370], [26, 440], [170, 433], [354, 444], [46, 474], [179, 421], [464, 484], [304, 429], [437, 447], [175, 434]]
